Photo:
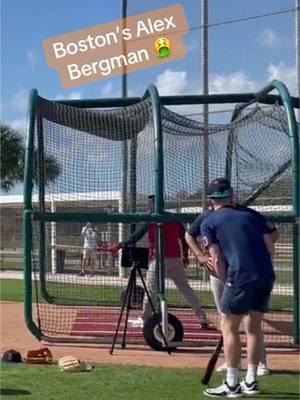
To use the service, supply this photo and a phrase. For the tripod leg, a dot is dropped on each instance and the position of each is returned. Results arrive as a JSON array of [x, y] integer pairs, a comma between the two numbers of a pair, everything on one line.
[[131, 288], [153, 310], [125, 301]]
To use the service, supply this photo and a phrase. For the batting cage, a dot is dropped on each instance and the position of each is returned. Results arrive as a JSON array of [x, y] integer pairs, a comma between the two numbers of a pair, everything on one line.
[[110, 155]]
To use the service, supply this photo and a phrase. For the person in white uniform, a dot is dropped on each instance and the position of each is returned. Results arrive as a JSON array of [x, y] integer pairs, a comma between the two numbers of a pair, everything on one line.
[[91, 240]]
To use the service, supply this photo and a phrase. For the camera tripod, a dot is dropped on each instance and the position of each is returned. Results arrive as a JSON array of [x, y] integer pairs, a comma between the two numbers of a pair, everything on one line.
[[137, 259]]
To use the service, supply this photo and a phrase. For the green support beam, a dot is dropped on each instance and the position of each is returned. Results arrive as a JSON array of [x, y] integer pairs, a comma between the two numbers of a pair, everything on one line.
[[180, 100], [129, 218], [27, 228], [159, 185]]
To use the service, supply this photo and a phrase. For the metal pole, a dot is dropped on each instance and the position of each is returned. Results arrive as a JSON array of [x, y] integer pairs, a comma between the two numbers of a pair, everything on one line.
[[296, 190], [53, 240], [297, 37], [204, 59], [123, 205]]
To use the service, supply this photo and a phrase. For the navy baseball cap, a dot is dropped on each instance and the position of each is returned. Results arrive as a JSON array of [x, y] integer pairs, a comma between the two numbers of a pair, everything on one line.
[[12, 356], [219, 188]]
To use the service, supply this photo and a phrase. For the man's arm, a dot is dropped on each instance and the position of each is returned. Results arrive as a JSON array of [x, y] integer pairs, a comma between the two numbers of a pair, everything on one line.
[[211, 244], [270, 232], [269, 226], [217, 261], [192, 242], [274, 234], [137, 235], [191, 239], [270, 244]]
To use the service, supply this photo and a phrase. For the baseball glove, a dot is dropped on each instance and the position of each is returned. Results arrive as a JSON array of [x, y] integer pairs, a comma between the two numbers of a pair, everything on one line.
[[41, 356], [72, 364]]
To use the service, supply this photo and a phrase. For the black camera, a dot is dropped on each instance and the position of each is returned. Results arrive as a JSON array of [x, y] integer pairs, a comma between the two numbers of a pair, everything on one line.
[[135, 257]]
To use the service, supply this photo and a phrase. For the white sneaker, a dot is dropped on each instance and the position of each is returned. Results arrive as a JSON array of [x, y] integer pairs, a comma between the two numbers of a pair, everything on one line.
[[225, 390], [262, 370], [250, 388], [136, 323]]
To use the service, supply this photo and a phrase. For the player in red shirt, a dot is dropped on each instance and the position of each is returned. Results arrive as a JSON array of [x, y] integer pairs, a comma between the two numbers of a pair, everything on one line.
[[176, 259]]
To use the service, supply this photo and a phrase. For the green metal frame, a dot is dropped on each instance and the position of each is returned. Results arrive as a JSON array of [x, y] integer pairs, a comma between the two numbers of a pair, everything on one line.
[[294, 139], [159, 185], [28, 186], [159, 216]]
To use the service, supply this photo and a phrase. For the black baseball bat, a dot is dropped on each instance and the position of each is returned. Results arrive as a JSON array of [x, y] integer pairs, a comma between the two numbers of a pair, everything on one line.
[[212, 362]]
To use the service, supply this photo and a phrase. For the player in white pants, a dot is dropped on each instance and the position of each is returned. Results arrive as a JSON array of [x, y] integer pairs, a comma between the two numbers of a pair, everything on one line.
[[217, 286], [91, 241]]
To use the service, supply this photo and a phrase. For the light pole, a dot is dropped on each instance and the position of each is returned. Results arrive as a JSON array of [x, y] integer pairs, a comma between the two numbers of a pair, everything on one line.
[[204, 61], [124, 92]]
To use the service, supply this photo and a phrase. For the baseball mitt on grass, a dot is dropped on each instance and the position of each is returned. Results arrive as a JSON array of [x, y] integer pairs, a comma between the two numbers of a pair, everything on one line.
[[72, 364], [41, 356]]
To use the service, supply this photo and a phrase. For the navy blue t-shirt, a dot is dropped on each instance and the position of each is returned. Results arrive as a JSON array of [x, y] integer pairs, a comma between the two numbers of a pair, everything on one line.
[[194, 229], [239, 233]]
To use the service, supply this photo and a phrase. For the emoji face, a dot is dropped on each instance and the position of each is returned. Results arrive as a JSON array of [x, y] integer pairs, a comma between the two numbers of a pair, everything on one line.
[[162, 43]]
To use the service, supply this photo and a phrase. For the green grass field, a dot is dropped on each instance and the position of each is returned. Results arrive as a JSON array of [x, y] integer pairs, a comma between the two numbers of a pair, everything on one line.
[[107, 382], [283, 276], [12, 290]]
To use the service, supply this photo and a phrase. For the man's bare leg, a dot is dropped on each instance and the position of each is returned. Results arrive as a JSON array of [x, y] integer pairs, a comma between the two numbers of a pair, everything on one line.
[[253, 327], [232, 346]]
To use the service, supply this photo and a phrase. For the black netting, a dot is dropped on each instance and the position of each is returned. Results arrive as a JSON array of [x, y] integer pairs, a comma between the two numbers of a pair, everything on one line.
[[89, 148]]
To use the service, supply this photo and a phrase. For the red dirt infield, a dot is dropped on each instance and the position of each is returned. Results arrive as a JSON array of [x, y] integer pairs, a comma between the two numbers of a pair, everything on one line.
[[14, 334]]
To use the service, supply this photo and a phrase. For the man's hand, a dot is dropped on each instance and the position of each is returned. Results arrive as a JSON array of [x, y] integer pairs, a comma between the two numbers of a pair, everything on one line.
[[206, 261]]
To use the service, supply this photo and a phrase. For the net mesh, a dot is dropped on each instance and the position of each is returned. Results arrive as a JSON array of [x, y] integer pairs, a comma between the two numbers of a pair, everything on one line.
[[88, 146]]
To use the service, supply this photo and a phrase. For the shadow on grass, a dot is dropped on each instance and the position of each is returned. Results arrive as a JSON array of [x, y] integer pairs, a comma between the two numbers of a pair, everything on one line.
[[281, 396], [14, 392], [284, 372]]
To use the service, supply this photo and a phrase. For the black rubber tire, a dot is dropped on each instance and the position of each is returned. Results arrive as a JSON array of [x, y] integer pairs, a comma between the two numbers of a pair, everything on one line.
[[137, 297], [151, 332]]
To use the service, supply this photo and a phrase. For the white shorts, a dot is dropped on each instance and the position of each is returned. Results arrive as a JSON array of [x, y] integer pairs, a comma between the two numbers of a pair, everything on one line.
[[90, 253]]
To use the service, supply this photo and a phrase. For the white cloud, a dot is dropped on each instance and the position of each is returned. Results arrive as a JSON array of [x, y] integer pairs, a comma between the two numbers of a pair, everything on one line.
[[269, 39], [74, 95], [31, 58], [19, 100], [172, 83], [107, 90], [193, 44], [284, 73], [177, 82], [19, 125], [236, 82], [132, 93]]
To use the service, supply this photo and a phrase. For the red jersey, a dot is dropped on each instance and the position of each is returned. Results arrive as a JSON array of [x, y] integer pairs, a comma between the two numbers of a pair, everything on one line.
[[173, 236]]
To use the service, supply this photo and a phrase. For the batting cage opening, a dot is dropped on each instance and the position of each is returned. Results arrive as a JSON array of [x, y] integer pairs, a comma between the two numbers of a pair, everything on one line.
[[110, 155]]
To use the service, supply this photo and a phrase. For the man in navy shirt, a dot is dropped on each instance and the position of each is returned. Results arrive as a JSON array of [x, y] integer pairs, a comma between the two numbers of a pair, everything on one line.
[[193, 234], [241, 249]]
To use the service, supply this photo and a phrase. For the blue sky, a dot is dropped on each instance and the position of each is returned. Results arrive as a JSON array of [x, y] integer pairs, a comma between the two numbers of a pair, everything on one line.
[[242, 56]]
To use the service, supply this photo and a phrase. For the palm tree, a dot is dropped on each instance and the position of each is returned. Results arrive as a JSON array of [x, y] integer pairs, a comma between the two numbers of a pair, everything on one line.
[[13, 160]]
